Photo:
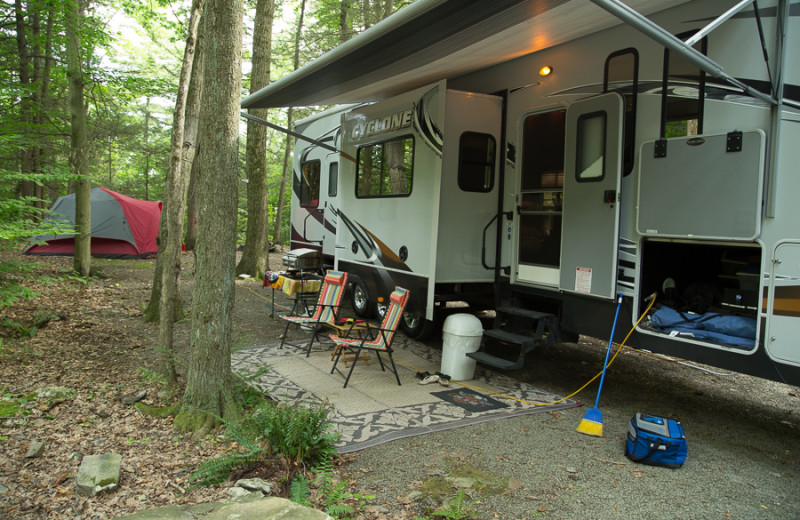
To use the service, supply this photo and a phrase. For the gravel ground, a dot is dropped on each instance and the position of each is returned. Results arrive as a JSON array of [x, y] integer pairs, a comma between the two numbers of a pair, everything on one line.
[[742, 437]]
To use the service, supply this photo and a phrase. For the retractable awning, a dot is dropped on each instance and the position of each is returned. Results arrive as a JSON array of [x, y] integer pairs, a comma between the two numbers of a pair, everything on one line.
[[431, 40]]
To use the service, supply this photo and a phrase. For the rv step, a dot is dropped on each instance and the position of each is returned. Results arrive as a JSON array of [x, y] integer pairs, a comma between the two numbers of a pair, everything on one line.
[[524, 313], [497, 362], [509, 337]]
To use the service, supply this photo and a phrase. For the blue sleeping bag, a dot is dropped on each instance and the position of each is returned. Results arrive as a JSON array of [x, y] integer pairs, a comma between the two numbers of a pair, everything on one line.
[[736, 331]]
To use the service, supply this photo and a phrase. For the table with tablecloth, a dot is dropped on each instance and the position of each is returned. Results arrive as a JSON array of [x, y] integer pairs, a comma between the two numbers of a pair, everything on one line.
[[301, 288]]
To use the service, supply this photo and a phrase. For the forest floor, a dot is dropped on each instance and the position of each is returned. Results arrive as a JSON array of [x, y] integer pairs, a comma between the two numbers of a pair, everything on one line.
[[93, 341]]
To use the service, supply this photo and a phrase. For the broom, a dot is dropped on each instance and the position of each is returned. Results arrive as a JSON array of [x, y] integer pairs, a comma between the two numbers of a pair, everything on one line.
[[592, 422]]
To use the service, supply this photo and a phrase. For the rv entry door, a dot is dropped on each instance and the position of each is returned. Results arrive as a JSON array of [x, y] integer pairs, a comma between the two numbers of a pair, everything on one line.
[[592, 171]]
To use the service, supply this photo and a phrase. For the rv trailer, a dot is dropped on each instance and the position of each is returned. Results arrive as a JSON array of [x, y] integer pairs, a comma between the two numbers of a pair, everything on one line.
[[551, 157], [315, 170]]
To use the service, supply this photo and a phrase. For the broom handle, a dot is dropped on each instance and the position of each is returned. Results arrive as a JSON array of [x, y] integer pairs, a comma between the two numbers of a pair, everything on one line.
[[608, 351]]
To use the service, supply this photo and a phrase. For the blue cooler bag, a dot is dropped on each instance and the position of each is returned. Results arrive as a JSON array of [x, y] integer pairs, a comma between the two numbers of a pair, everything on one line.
[[655, 440]]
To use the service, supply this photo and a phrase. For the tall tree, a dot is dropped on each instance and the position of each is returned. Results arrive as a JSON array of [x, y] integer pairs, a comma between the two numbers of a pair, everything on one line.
[[79, 164], [209, 382], [175, 204], [193, 97], [254, 257], [287, 165], [192, 119]]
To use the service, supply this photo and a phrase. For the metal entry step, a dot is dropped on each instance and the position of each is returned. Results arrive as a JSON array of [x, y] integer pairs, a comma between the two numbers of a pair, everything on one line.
[[516, 329]]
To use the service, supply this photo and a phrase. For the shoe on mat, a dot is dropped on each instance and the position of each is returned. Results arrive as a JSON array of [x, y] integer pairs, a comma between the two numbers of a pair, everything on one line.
[[431, 378]]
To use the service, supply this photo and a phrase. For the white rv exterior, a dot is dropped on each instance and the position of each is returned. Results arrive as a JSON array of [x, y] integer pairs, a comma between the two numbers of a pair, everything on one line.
[[634, 168], [315, 172]]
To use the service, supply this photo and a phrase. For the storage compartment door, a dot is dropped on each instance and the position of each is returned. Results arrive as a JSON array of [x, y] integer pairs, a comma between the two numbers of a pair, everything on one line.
[[592, 165], [702, 187], [784, 305]]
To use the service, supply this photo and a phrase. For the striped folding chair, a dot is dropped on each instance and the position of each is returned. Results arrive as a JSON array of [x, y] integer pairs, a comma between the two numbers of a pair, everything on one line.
[[381, 339], [326, 309]]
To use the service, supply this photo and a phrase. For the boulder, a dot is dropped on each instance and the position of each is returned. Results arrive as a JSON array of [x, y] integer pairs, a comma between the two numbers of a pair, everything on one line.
[[98, 473]]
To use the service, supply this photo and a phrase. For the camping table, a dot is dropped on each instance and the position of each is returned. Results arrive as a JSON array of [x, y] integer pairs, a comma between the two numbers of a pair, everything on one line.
[[301, 290], [344, 329]]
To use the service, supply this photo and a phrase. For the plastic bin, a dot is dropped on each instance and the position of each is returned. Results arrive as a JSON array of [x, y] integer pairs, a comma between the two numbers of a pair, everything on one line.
[[461, 335]]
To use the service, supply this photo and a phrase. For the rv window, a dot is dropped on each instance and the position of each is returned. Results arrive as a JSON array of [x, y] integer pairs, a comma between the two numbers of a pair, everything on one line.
[[333, 179], [476, 154], [591, 144], [622, 75], [385, 169], [309, 184], [682, 93]]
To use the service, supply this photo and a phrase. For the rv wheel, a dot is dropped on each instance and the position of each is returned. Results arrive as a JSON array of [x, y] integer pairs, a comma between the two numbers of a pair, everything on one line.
[[415, 326], [361, 303]]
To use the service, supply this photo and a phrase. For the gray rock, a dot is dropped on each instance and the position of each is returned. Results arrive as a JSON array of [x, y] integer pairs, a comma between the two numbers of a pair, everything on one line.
[[273, 508], [133, 398], [255, 484], [36, 449], [98, 474]]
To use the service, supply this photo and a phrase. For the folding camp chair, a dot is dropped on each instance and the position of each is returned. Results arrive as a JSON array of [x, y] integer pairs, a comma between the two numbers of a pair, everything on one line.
[[379, 340], [326, 309]]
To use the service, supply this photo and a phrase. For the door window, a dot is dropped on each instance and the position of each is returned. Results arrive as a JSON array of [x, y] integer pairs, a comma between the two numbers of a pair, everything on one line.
[[542, 188], [591, 145]]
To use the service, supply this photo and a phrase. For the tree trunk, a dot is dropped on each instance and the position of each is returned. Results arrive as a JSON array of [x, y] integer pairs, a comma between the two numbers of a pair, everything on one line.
[[345, 21], [78, 160], [209, 381], [151, 312], [255, 258], [175, 198], [192, 138], [287, 164], [26, 158]]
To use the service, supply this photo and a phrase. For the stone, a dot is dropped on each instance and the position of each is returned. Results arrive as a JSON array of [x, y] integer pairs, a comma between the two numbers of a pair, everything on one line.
[[255, 484], [273, 508], [35, 449], [133, 398], [98, 474]]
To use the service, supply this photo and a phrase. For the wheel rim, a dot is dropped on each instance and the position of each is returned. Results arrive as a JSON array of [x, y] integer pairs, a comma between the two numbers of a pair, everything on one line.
[[360, 300]]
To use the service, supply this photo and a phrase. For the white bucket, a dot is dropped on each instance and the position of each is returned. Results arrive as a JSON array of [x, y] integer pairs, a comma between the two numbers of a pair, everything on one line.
[[461, 335]]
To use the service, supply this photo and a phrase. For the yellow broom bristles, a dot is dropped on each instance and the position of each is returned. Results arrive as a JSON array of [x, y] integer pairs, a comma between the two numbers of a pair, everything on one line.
[[590, 428]]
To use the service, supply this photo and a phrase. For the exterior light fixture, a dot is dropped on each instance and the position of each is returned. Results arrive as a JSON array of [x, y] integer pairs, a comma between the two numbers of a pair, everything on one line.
[[545, 71]]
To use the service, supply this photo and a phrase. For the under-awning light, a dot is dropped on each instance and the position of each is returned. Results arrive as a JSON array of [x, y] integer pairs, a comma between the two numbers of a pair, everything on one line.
[[545, 71]]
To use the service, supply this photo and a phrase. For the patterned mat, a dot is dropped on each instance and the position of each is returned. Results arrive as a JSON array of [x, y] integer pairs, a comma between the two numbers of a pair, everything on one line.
[[373, 409]]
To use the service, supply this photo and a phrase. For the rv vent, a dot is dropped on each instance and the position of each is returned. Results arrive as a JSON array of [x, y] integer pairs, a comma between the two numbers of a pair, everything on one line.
[[660, 149], [734, 141]]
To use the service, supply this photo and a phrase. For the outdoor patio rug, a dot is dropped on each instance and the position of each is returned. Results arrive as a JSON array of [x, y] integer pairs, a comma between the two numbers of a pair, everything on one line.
[[373, 409]]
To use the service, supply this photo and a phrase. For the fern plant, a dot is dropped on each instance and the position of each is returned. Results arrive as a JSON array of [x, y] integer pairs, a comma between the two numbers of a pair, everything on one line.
[[300, 435]]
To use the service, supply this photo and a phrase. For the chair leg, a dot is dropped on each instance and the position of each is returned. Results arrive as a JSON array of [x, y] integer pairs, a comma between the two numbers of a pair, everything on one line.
[[285, 333], [352, 367], [339, 352], [394, 368], [313, 335], [380, 360]]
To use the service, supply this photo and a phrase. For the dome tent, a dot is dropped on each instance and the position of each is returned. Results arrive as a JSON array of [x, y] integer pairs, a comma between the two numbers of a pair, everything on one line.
[[122, 227]]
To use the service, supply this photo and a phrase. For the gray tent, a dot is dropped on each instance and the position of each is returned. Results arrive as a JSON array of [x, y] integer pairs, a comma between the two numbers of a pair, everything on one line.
[[122, 227]]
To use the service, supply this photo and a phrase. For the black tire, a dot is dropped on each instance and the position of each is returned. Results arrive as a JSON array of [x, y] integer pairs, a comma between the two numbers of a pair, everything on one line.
[[362, 303], [416, 327]]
